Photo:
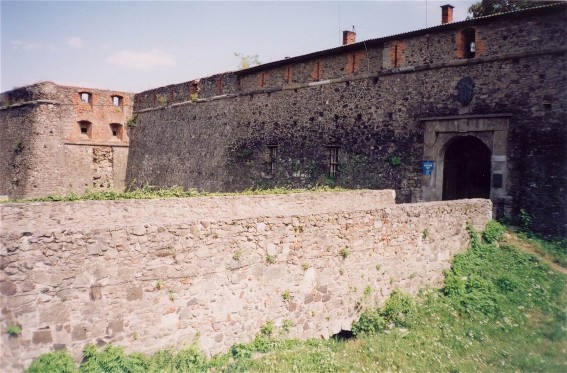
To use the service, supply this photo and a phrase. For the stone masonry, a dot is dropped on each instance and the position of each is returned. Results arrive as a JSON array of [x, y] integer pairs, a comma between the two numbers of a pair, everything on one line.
[[378, 108], [149, 274]]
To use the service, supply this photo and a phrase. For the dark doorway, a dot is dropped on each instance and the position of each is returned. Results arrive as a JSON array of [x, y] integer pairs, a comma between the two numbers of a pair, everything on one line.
[[466, 172]]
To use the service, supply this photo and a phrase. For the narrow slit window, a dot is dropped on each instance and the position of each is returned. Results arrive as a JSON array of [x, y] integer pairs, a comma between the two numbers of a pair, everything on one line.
[[333, 161], [396, 55], [272, 157]]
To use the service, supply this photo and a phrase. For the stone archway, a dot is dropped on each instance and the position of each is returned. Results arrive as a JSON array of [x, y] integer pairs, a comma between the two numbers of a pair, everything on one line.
[[490, 131], [466, 171]]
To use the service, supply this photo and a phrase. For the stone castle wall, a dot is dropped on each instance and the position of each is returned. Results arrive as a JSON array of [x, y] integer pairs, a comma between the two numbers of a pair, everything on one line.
[[370, 101], [43, 150], [157, 273]]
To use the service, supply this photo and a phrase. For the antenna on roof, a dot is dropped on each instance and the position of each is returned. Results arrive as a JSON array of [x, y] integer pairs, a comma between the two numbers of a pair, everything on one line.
[[339, 20]]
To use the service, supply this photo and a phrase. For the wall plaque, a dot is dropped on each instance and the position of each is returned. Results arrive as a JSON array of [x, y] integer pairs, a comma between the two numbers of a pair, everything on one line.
[[465, 89]]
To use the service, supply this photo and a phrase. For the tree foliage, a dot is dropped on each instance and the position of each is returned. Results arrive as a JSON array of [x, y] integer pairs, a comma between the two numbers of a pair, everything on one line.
[[488, 7], [247, 61]]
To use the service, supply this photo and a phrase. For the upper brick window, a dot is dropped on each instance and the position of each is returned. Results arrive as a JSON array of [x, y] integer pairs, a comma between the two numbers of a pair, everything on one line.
[[86, 97], [396, 53], [117, 100], [469, 42]]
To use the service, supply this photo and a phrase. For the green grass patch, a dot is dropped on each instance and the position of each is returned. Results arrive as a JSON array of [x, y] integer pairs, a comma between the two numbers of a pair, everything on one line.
[[555, 250], [151, 192], [500, 310]]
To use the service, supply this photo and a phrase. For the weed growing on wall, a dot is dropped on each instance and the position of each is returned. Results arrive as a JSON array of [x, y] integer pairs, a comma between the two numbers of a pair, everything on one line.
[[14, 330], [131, 122], [395, 161], [152, 192], [237, 255]]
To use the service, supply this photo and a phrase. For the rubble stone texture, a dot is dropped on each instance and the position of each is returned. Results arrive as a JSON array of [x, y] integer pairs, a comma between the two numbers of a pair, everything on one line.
[[149, 274]]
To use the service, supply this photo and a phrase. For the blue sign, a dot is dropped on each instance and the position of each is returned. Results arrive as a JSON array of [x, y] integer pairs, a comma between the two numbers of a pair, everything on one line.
[[427, 167]]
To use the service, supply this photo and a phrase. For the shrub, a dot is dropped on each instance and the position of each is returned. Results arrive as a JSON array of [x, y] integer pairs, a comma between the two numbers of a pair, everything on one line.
[[58, 361], [493, 232], [371, 322], [398, 307], [526, 220]]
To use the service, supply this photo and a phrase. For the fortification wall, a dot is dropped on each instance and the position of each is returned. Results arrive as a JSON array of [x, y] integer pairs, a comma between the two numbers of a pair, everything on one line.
[[147, 275], [280, 126], [44, 150]]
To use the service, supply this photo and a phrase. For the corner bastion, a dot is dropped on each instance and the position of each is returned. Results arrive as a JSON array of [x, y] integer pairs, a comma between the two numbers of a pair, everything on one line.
[[150, 274]]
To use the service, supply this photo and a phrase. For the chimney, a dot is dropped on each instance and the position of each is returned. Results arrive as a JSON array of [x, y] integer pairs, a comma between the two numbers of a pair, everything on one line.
[[446, 14], [349, 37]]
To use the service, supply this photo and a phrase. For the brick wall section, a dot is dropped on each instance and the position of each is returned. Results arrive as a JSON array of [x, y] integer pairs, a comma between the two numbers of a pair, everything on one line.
[[42, 149], [68, 283]]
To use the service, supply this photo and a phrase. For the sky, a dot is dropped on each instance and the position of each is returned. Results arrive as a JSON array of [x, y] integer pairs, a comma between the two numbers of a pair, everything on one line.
[[133, 46]]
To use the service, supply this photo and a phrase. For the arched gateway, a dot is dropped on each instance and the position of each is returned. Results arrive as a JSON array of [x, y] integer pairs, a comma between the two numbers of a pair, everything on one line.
[[466, 158], [467, 169]]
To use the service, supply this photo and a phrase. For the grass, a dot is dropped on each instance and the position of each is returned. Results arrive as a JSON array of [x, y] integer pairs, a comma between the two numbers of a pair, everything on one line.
[[151, 192], [555, 250], [500, 310]]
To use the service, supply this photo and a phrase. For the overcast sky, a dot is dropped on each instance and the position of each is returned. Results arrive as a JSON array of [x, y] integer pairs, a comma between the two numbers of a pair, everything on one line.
[[137, 45]]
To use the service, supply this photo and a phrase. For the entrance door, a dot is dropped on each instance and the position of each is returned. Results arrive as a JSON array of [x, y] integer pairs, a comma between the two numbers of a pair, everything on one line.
[[466, 172]]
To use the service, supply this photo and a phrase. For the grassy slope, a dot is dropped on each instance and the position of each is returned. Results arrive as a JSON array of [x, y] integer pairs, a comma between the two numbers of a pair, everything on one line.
[[502, 310]]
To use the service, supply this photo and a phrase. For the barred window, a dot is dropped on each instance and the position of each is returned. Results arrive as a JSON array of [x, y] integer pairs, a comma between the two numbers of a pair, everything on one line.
[[333, 161], [272, 157]]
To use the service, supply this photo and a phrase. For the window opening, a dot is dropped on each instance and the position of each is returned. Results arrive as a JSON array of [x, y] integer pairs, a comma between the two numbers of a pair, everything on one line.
[[86, 97], [262, 79], [317, 70], [333, 161], [470, 45], [272, 157], [117, 100], [396, 55], [116, 130], [219, 86], [353, 62], [85, 128]]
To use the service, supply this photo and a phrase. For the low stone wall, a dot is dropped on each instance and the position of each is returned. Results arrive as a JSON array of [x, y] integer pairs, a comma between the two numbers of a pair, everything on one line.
[[148, 274]]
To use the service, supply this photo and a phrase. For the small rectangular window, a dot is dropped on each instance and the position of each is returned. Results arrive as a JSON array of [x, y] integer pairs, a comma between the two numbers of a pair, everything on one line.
[[85, 129], [86, 97], [116, 131], [469, 36], [272, 157], [333, 161], [116, 100]]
